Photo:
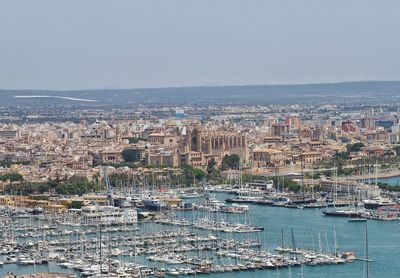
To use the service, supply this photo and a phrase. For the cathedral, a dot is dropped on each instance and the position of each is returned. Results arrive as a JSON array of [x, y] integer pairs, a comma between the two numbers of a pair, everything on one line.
[[199, 145]]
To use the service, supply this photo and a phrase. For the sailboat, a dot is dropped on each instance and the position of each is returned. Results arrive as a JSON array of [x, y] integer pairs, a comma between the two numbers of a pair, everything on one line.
[[358, 217], [350, 213], [282, 248]]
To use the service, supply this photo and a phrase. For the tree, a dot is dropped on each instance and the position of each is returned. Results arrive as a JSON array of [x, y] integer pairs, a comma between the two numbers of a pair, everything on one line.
[[342, 155], [5, 163], [131, 155], [286, 183], [133, 140], [199, 174], [75, 205], [119, 179], [355, 147], [12, 177], [52, 184], [76, 185], [189, 173], [212, 172], [230, 162], [211, 166]]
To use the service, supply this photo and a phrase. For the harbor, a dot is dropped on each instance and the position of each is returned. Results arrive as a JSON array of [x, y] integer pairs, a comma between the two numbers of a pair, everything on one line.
[[181, 242], [121, 251]]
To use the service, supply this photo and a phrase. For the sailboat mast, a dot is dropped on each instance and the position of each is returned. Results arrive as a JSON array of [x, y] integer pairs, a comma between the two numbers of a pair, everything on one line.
[[335, 176], [366, 249], [376, 173], [335, 240], [101, 263], [302, 175], [294, 244]]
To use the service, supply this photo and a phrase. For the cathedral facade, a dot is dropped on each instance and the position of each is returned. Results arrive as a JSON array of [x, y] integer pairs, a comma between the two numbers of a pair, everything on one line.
[[203, 144]]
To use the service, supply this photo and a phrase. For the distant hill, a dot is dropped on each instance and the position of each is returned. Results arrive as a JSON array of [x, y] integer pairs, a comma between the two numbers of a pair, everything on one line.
[[345, 92]]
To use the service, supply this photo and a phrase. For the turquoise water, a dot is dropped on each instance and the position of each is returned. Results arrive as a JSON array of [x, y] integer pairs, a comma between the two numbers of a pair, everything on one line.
[[384, 243], [391, 180], [19, 270], [384, 239]]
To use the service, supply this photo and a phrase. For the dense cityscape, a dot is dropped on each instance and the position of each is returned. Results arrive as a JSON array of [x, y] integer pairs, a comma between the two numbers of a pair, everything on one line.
[[162, 190]]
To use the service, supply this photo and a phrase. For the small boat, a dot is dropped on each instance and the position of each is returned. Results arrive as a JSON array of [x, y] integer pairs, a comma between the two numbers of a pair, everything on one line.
[[314, 205], [173, 272], [342, 213], [349, 256], [190, 195], [186, 271], [357, 219], [159, 273]]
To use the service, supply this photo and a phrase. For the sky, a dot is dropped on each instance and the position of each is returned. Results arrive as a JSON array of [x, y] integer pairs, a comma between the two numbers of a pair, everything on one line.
[[89, 44]]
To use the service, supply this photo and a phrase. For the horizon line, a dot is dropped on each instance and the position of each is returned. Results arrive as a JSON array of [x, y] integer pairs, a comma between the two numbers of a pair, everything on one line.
[[203, 86]]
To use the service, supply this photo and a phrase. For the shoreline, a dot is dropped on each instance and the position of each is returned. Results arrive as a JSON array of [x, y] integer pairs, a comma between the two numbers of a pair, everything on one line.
[[388, 174]]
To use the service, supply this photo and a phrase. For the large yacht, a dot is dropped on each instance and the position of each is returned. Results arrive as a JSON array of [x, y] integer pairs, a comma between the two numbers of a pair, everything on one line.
[[378, 202]]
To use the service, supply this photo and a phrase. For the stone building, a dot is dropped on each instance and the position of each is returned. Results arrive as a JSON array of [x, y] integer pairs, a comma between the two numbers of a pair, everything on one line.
[[267, 157], [213, 144], [109, 157]]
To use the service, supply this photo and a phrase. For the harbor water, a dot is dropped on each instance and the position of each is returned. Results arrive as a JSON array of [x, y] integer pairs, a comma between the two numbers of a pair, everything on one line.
[[390, 181], [311, 230]]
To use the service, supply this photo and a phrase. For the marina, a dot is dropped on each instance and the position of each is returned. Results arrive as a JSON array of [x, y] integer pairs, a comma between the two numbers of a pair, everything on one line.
[[203, 241]]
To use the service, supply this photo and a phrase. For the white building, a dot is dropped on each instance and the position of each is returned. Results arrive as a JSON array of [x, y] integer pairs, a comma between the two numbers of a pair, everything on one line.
[[108, 215]]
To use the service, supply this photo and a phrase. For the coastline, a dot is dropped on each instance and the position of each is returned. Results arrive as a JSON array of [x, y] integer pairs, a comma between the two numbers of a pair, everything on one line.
[[386, 174]]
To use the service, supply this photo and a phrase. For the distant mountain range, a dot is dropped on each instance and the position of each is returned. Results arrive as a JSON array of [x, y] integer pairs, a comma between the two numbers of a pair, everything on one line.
[[345, 92]]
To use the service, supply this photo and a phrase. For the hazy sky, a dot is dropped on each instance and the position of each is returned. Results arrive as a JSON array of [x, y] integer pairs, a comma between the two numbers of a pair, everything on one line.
[[79, 44]]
